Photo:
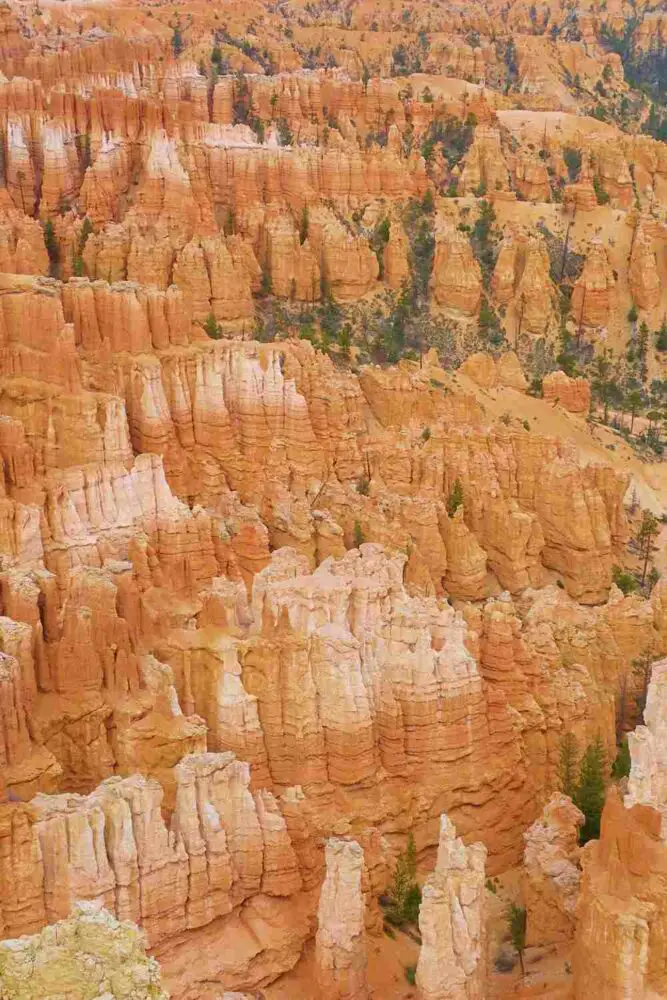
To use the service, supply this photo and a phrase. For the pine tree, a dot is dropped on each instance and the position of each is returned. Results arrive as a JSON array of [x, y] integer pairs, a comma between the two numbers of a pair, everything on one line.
[[358, 535], [516, 916], [303, 227], [455, 498], [589, 796], [428, 202], [642, 667], [633, 403], [623, 762], [567, 764], [212, 327], [648, 529], [405, 893], [661, 337], [52, 248], [365, 77], [177, 43], [86, 230]]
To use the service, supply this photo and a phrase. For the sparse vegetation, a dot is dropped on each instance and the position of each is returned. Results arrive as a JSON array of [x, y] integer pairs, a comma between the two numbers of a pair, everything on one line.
[[590, 792], [625, 581], [600, 193], [52, 248], [177, 43], [516, 916], [212, 328], [455, 498], [572, 158], [623, 761], [404, 894], [304, 225]]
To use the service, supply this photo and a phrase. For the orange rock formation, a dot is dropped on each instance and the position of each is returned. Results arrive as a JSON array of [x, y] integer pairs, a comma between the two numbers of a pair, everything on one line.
[[270, 603]]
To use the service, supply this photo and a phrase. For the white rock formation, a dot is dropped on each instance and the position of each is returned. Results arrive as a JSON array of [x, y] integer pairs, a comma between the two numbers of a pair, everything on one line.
[[89, 956], [451, 922], [340, 944], [647, 784]]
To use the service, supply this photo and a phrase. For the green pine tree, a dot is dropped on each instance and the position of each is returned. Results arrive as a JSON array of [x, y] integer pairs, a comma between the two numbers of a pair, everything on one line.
[[303, 227], [661, 337], [52, 248], [590, 792], [621, 767], [212, 327], [405, 893], [455, 498], [428, 202], [359, 538], [516, 916]]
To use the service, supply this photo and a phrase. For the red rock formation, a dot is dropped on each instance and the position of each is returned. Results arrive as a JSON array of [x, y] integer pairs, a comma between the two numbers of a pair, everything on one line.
[[573, 394], [593, 295], [456, 282], [531, 179], [487, 373], [395, 256], [212, 546], [485, 169], [581, 196], [643, 276], [618, 950], [551, 874], [521, 278], [224, 852]]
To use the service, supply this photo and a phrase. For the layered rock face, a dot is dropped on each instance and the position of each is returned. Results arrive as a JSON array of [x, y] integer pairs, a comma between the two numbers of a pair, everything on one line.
[[593, 295], [643, 275], [268, 607], [619, 946], [452, 958], [573, 394], [521, 280], [551, 873], [182, 579], [340, 947], [488, 373], [223, 854], [457, 279], [87, 955]]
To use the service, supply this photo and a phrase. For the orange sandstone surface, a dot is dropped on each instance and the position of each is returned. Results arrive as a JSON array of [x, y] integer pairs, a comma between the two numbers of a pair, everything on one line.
[[307, 550]]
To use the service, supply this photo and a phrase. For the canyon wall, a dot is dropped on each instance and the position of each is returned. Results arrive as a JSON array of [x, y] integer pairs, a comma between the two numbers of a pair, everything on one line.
[[280, 582], [619, 945]]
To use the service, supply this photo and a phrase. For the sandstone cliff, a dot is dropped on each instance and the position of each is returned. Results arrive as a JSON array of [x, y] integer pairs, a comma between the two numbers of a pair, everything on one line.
[[623, 895]]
